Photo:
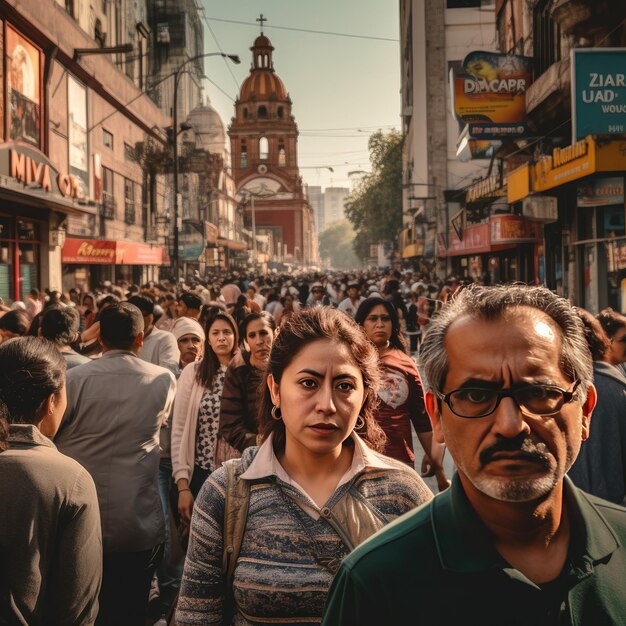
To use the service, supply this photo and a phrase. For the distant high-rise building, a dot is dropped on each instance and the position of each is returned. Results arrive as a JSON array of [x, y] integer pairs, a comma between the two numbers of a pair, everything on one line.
[[177, 35], [316, 200], [334, 200]]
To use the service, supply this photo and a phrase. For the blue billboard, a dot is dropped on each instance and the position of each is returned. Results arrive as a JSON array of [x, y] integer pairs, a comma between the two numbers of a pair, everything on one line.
[[598, 92]]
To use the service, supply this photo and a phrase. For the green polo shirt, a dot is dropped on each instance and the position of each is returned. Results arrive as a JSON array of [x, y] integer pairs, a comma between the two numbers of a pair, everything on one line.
[[437, 565]]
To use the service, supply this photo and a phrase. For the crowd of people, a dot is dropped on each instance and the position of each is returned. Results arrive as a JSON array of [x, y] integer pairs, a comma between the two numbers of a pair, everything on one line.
[[259, 429]]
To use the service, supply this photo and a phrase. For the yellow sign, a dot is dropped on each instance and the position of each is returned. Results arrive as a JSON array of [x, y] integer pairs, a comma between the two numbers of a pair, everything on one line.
[[565, 165], [518, 184], [490, 187]]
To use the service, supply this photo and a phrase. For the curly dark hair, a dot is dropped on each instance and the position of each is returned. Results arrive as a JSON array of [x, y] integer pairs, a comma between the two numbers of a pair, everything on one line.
[[297, 332]]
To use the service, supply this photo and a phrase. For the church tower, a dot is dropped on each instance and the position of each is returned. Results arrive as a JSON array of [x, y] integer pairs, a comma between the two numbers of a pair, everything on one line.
[[264, 144]]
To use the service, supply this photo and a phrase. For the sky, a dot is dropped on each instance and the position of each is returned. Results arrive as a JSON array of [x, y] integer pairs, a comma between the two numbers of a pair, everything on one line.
[[343, 88]]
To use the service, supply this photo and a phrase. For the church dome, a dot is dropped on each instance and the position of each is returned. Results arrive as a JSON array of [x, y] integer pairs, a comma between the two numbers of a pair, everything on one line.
[[208, 128], [262, 83]]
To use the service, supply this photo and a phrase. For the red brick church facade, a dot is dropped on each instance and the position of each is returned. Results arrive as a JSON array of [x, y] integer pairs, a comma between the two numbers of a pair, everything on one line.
[[264, 148]]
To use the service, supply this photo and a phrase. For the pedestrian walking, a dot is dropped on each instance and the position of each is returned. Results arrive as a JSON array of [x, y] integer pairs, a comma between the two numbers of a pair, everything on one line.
[[50, 538], [197, 412], [401, 395], [315, 488], [116, 406], [508, 378], [238, 426]]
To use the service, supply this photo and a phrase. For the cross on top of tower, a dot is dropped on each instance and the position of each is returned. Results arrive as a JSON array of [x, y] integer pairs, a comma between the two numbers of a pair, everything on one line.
[[261, 19]]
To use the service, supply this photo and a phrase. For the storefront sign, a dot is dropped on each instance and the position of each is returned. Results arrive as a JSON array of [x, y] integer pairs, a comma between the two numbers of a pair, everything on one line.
[[507, 229], [601, 192], [598, 91], [102, 252], [29, 171], [486, 188], [413, 249], [489, 94], [565, 165], [90, 251], [540, 208], [475, 241]]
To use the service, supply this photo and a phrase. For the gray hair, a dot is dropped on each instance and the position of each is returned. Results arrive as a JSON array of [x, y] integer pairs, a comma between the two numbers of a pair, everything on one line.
[[490, 303]]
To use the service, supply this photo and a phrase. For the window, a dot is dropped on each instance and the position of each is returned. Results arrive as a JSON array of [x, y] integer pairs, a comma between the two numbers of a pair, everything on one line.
[[69, 7], [99, 35], [107, 139], [129, 201], [245, 114], [262, 111], [546, 37], [108, 196], [129, 152], [282, 155], [263, 148], [244, 155], [280, 112]]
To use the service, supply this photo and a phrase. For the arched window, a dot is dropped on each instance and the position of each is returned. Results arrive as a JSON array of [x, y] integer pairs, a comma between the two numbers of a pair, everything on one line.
[[262, 111], [279, 112], [243, 161], [259, 61], [265, 61], [245, 114], [282, 155], [264, 148]]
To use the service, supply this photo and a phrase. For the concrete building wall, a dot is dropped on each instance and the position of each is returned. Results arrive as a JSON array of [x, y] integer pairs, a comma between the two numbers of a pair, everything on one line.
[[334, 200]]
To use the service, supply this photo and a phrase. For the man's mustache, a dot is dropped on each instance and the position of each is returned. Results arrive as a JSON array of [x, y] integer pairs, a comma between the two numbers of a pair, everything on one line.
[[523, 445]]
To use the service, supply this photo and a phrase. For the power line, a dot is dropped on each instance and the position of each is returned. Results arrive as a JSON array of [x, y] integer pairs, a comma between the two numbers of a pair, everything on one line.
[[217, 43], [306, 30]]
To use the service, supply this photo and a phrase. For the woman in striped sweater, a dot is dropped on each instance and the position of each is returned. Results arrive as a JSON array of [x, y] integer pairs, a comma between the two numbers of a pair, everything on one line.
[[318, 483]]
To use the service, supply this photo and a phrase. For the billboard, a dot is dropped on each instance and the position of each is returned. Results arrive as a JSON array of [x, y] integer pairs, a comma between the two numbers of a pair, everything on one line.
[[489, 94], [598, 92], [77, 133], [23, 67]]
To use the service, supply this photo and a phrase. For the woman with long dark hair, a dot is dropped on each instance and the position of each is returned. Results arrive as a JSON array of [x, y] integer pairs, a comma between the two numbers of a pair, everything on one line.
[[240, 398], [318, 483], [50, 538], [197, 410], [401, 395]]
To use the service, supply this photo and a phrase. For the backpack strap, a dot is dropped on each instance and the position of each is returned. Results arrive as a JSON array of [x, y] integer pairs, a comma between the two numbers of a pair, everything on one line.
[[235, 517]]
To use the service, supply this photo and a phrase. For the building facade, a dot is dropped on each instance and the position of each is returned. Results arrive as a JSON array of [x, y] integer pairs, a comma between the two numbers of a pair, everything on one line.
[[264, 144], [433, 176], [74, 201], [334, 205]]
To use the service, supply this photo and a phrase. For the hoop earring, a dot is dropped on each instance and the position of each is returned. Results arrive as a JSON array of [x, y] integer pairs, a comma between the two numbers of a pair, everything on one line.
[[360, 423], [276, 413]]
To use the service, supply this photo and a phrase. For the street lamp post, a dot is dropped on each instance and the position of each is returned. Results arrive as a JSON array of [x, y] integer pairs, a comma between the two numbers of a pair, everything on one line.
[[177, 216]]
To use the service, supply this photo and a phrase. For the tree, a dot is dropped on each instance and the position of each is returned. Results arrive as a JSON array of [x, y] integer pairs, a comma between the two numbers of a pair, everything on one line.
[[336, 244], [375, 207]]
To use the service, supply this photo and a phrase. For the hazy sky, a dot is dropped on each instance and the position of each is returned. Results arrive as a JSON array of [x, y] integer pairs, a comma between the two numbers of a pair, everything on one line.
[[346, 83]]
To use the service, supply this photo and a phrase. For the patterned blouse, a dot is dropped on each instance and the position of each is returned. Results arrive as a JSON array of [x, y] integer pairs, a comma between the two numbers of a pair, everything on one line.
[[209, 421]]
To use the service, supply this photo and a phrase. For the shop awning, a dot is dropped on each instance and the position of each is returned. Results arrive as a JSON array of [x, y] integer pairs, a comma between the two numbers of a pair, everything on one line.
[[232, 244], [103, 252], [499, 233]]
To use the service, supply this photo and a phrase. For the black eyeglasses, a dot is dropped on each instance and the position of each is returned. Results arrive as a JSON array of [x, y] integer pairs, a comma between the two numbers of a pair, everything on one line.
[[543, 400]]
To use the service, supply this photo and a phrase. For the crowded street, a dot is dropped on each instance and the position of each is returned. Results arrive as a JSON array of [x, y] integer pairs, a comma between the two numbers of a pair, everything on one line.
[[313, 313]]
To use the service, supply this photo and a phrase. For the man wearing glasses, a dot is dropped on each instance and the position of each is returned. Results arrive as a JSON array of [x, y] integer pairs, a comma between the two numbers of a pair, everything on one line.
[[508, 385]]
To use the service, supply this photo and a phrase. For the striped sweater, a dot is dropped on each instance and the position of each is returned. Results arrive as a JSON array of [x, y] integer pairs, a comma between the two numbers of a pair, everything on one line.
[[277, 579]]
